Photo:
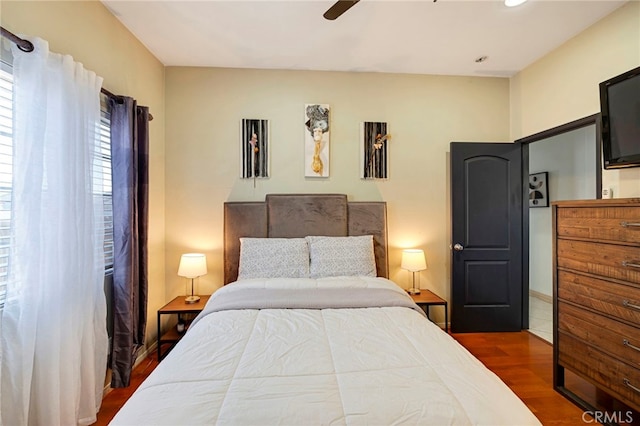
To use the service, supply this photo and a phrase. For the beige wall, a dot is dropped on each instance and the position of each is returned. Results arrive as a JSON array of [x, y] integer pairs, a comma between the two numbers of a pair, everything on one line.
[[92, 35], [204, 108], [424, 114], [563, 85]]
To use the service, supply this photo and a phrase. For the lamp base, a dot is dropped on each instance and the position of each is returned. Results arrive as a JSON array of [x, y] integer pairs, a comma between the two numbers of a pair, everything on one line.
[[413, 291], [191, 299]]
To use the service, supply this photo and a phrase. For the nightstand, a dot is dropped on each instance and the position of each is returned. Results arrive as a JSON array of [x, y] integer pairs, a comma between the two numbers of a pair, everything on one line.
[[176, 307], [426, 299]]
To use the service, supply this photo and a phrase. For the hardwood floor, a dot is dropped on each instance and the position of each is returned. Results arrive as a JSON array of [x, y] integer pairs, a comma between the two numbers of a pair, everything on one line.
[[116, 398], [522, 360]]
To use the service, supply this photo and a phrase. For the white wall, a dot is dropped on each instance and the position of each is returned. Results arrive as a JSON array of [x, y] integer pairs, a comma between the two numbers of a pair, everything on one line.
[[563, 85], [570, 160]]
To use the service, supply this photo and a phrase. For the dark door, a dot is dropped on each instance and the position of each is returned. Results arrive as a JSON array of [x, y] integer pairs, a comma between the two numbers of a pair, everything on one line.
[[486, 206]]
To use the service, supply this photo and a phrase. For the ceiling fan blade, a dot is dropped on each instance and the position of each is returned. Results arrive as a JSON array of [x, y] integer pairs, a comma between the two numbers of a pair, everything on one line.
[[338, 8]]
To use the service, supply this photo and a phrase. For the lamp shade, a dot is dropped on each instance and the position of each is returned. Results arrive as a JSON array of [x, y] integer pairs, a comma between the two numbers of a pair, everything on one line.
[[413, 260], [192, 265]]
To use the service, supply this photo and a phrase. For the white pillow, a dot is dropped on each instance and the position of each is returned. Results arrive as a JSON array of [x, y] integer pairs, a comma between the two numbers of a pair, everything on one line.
[[273, 258], [341, 256]]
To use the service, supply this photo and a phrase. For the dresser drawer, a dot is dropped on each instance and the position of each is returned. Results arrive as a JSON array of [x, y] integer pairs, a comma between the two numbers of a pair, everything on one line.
[[612, 337], [606, 260], [612, 299], [617, 378], [600, 223]]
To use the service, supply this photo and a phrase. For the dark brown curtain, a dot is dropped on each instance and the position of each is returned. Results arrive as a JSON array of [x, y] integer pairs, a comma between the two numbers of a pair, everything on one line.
[[130, 184]]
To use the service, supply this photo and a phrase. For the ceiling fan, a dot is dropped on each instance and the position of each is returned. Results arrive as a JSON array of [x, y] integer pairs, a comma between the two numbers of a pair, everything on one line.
[[338, 8], [341, 6]]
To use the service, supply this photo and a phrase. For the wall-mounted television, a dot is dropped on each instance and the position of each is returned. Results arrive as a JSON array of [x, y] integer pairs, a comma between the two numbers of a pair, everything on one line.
[[620, 110]]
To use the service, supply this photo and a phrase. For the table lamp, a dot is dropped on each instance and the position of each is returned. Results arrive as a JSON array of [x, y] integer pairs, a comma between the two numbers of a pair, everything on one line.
[[413, 260], [192, 265]]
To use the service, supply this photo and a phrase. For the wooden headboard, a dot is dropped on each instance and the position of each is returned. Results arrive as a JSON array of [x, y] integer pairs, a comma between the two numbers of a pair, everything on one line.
[[299, 215]]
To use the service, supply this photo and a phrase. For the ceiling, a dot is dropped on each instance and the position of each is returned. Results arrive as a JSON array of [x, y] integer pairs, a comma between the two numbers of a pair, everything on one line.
[[418, 36]]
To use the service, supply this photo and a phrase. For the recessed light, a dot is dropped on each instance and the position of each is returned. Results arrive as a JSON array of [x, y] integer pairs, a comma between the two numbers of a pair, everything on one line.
[[481, 58], [513, 3]]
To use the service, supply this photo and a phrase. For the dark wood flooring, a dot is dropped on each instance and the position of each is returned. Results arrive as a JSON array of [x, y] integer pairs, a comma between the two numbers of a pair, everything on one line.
[[523, 361], [116, 398]]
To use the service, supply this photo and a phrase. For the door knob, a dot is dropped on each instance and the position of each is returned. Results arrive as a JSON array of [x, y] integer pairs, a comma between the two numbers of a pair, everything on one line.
[[458, 247]]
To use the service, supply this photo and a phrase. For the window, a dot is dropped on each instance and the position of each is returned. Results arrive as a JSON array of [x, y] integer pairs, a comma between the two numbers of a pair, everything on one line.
[[6, 168], [102, 181], [101, 184]]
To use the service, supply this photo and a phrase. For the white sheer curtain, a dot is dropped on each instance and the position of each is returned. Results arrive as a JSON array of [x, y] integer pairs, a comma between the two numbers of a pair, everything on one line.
[[53, 331]]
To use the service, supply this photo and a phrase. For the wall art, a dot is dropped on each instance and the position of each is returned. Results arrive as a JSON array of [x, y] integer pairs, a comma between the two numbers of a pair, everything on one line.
[[254, 148], [539, 190], [374, 161], [316, 140]]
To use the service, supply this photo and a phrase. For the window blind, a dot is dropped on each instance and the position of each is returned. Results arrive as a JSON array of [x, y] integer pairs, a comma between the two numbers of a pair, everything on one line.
[[102, 179], [6, 171]]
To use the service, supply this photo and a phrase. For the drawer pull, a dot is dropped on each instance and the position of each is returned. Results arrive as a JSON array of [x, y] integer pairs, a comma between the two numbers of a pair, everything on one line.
[[628, 384], [628, 224], [629, 345], [626, 304], [630, 264]]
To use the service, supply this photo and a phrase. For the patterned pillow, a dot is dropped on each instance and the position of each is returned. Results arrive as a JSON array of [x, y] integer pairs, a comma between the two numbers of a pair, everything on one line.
[[273, 258], [341, 256]]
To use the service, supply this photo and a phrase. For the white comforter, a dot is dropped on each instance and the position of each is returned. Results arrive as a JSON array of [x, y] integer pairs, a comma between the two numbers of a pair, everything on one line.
[[377, 366]]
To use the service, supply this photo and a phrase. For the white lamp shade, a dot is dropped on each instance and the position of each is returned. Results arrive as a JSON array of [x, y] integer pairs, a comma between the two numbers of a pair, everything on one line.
[[413, 260], [192, 265]]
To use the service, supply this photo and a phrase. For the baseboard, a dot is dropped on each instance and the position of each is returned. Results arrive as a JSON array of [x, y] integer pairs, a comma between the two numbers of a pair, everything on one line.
[[141, 357], [541, 296]]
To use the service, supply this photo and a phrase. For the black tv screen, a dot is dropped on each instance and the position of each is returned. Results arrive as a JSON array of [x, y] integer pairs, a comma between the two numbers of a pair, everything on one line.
[[620, 110]]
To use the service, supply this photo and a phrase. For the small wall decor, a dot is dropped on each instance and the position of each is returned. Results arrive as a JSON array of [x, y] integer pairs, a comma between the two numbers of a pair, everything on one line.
[[374, 158], [316, 141], [254, 149], [539, 190]]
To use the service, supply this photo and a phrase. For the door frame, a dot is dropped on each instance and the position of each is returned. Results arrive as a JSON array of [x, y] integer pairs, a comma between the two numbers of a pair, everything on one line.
[[545, 134]]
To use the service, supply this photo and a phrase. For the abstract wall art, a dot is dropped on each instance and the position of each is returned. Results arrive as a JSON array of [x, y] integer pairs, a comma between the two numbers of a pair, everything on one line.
[[374, 160], [254, 148], [316, 140], [539, 190]]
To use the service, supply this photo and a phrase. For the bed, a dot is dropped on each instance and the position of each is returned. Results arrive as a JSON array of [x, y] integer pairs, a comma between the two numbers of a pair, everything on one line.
[[309, 330]]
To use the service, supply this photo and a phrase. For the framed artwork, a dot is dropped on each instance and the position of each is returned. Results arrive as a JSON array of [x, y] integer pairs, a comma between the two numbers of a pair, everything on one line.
[[374, 159], [539, 190], [254, 149], [316, 140]]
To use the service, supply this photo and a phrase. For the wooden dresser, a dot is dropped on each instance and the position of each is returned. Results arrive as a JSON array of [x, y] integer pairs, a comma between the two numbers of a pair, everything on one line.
[[596, 251]]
